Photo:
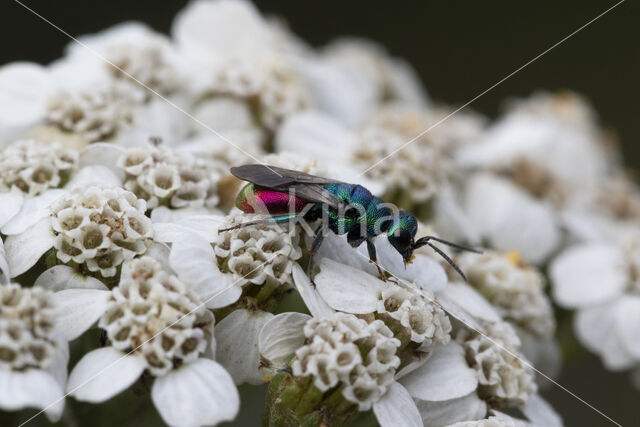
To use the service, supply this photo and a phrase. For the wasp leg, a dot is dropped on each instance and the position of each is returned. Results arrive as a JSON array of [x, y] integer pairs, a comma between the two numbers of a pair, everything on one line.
[[373, 257], [317, 241]]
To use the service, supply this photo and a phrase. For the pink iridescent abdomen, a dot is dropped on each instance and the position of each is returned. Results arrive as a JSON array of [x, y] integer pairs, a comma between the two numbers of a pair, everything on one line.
[[255, 199]]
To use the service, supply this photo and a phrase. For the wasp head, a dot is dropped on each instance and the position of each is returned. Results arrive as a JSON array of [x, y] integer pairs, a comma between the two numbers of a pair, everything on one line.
[[401, 235]]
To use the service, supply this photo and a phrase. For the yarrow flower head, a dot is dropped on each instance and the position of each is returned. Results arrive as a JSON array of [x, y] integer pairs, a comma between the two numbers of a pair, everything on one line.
[[258, 255], [349, 351], [96, 113], [153, 314], [32, 355], [425, 321], [99, 228], [503, 379], [513, 287], [161, 176], [34, 167], [154, 326]]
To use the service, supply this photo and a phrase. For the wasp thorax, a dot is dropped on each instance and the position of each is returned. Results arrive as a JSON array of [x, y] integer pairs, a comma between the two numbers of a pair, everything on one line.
[[99, 228], [153, 314], [26, 327], [34, 167], [349, 352], [161, 176]]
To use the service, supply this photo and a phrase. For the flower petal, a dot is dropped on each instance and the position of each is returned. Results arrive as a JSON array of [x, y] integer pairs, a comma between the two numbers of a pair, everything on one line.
[[587, 274], [102, 154], [4, 266], [58, 366], [237, 344], [103, 373], [25, 249], [628, 325], [397, 408], [32, 211], [77, 310], [540, 413], [205, 226], [94, 175], [62, 277], [445, 376], [10, 204], [511, 219], [193, 259], [323, 136], [595, 327], [32, 388], [348, 289], [309, 294], [281, 336], [466, 408], [471, 301], [198, 393], [24, 89]]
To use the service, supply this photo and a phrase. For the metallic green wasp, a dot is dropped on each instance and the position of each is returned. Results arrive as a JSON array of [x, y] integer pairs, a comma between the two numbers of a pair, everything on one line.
[[349, 209]]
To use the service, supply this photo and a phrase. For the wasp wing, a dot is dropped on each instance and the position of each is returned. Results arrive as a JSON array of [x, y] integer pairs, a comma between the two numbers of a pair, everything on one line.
[[275, 177], [303, 185]]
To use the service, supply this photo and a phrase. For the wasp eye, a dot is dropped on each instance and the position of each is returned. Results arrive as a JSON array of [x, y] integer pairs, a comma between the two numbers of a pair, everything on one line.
[[403, 237]]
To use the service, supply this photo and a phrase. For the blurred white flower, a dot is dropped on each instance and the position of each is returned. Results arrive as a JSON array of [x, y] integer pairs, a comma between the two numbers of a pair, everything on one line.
[[30, 171], [516, 290], [33, 356], [600, 281], [155, 326], [468, 377]]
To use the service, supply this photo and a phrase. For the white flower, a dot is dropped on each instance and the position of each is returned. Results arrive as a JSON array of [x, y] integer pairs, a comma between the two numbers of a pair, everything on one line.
[[515, 289], [154, 324], [157, 173], [29, 172], [328, 350], [463, 380], [511, 219], [95, 228], [96, 114], [600, 281], [33, 357]]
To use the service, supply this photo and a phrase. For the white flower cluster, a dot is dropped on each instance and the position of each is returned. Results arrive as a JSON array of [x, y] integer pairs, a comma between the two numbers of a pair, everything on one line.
[[34, 167], [504, 376], [426, 322], [273, 91], [161, 176], [422, 165], [154, 314], [100, 228], [349, 351], [149, 64], [27, 319], [95, 114], [514, 288], [259, 254]]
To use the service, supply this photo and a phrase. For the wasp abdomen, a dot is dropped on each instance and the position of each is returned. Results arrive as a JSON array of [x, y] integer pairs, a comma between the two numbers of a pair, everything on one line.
[[255, 199]]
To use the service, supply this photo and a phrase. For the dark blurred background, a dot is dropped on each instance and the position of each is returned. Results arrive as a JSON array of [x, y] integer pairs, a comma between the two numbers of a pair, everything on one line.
[[459, 49]]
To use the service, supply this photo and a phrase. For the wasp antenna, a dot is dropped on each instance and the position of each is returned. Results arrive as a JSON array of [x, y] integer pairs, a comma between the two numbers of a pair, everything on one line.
[[449, 260], [424, 241]]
